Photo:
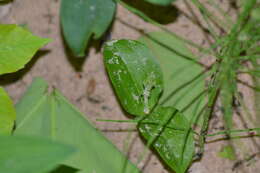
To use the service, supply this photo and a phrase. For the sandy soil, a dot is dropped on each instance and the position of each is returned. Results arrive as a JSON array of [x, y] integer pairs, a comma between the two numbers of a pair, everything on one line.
[[84, 81]]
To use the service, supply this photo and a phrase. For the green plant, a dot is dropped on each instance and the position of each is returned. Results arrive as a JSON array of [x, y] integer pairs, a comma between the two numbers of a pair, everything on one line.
[[137, 80], [44, 129], [17, 46], [82, 19], [157, 79]]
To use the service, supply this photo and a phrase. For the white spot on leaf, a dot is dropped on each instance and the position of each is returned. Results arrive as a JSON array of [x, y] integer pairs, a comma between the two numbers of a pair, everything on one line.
[[135, 97], [111, 43], [92, 8]]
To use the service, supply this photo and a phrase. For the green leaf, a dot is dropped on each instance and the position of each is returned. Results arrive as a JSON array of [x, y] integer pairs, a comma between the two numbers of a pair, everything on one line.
[[7, 113], [135, 74], [183, 78], [17, 47], [171, 136], [227, 152], [51, 115], [30, 154], [160, 2], [82, 18]]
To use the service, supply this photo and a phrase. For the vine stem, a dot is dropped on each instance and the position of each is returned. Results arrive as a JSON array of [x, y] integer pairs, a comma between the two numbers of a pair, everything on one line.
[[205, 135], [233, 131]]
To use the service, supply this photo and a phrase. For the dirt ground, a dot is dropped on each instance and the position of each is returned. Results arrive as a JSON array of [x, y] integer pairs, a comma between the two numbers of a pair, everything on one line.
[[84, 81]]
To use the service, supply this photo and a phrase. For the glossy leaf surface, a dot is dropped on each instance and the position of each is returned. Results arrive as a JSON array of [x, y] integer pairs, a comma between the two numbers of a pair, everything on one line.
[[82, 18], [30, 154], [135, 74], [7, 113], [183, 78], [17, 47], [160, 2], [51, 115], [170, 135]]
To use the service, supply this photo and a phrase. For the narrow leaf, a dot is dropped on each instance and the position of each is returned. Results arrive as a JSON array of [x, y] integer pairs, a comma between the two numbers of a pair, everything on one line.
[[82, 18], [17, 47], [51, 115], [7, 113], [171, 136], [135, 75], [29, 154]]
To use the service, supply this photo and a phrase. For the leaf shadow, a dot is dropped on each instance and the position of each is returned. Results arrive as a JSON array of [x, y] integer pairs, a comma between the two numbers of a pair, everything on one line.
[[161, 14], [10, 78], [5, 2], [65, 169]]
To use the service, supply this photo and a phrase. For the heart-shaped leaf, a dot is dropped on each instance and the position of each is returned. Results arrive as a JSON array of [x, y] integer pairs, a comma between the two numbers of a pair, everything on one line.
[[7, 113], [17, 47], [30, 154], [169, 133], [82, 18], [135, 75], [51, 115]]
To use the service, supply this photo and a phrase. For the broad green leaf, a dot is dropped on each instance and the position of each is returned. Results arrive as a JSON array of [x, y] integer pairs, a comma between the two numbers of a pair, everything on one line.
[[171, 136], [82, 18], [160, 2], [17, 47], [227, 152], [7, 113], [51, 115], [30, 154], [183, 79], [135, 74]]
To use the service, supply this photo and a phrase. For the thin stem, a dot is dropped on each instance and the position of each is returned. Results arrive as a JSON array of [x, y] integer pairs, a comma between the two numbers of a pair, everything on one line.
[[233, 131], [221, 11], [145, 122], [242, 18], [153, 22], [213, 94], [205, 16]]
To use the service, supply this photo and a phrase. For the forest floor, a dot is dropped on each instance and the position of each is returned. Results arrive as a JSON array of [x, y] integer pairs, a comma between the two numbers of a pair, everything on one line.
[[85, 83]]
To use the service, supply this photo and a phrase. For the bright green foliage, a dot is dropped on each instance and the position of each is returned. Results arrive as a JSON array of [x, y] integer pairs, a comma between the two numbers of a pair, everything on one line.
[[17, 47], [7, 113], [135, 75], [171, 136], [183, 78], [160, 2], [137, 79], [30, 154], [51, 115], [227, 152], [82, 18]]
